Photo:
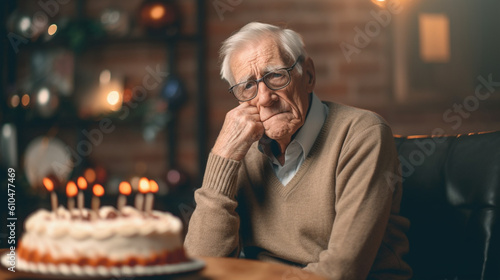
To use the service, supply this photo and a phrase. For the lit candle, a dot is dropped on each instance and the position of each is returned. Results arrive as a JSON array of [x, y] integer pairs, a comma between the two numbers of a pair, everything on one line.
[[82, 185], [98, 191], [49, 185], [153, 188], [71, 191], [143, 188], [125, 190]]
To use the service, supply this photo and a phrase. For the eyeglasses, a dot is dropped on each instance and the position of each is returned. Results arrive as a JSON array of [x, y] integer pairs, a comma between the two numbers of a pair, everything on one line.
[[274, 80]]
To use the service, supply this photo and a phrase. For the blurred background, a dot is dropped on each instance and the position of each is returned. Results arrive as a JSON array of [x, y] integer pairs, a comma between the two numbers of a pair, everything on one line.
[[113, 91]]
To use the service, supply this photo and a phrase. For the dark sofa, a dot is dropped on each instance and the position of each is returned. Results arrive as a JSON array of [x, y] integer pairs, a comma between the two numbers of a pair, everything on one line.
[[451, 194]]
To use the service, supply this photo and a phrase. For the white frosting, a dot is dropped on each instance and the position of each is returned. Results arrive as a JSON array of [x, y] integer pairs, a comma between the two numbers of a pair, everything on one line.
[[129, 234]]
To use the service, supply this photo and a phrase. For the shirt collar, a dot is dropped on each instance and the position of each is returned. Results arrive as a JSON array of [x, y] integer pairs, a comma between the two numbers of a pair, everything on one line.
[[312, 126]]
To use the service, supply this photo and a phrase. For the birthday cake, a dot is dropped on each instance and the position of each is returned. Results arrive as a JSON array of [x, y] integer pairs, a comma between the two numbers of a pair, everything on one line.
[[108, 243]]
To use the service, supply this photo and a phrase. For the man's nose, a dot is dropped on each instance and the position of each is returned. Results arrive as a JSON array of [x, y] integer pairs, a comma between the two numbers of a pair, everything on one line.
[[265, 96]]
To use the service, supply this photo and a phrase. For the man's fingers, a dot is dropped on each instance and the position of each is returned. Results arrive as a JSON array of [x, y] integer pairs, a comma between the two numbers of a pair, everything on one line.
[[244, 112], [241, 128], [249, 108]]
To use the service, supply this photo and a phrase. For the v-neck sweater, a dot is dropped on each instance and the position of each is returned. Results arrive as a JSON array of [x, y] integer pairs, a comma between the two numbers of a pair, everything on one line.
[[338, 216]]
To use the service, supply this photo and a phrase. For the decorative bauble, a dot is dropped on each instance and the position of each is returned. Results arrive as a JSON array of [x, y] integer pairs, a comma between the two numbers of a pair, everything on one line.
[[115, 22], [47, 157], [175, 179], [173, 92], [159, 17]]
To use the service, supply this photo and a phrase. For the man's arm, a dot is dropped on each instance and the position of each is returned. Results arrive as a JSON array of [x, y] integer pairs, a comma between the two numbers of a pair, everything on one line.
[[214, 225], [363, 205]]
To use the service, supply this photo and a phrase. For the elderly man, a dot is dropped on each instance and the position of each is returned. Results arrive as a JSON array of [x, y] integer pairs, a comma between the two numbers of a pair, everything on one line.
[[295, 180]]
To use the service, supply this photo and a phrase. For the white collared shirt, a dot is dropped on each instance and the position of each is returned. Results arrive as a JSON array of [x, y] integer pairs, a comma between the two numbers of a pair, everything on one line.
[[299, 147]]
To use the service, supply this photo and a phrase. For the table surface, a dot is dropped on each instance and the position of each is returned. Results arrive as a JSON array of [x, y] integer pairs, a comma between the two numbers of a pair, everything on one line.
[[215, 269]]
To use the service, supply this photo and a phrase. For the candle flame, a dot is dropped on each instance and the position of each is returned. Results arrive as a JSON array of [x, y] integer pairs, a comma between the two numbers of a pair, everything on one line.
[[82, 183], [143, 185], [71, 189], [48, 184], [153, 186], [98, 190], [125, 188]]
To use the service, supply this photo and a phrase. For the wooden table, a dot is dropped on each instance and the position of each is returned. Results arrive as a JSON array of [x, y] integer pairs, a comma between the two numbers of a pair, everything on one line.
[[215, 269]]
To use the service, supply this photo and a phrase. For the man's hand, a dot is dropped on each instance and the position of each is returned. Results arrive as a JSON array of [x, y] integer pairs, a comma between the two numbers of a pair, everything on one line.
[[242, 127]]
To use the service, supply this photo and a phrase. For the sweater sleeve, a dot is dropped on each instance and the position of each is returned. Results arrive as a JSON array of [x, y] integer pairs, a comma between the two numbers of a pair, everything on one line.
[[363, 204], [214, 225]]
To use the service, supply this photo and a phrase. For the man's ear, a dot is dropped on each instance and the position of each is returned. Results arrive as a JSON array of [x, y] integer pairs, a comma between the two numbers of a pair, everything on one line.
[[309, 74]]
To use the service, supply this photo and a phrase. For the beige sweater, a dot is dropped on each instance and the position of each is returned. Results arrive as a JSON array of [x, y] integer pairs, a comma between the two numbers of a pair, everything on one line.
[[337, 217]]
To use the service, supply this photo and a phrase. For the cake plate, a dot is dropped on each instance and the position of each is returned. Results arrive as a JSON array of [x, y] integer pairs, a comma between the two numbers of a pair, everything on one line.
[[63, 271]]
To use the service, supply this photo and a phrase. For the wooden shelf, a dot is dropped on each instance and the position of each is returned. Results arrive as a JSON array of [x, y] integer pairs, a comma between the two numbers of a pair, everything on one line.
[[107, 41]]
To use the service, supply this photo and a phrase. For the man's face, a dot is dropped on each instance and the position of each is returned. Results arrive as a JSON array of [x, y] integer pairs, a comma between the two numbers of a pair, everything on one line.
[[283, 111]]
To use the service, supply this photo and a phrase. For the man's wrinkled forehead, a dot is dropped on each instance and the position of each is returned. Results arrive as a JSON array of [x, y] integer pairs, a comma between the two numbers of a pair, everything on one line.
[[254, 61]]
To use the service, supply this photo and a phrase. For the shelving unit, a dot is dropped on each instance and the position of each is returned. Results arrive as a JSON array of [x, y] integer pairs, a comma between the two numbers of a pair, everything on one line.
[[9, 63]]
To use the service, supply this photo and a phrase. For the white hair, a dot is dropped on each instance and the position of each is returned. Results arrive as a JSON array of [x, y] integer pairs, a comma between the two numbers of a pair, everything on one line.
[[289, 42]]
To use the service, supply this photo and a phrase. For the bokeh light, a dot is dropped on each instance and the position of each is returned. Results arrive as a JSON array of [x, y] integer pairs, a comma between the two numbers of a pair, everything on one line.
[[90, 175], [157, 12], [380, 3], [52, 29], [15, 100], [105, 77], [25, 100], [43, 96], [113, 97]]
